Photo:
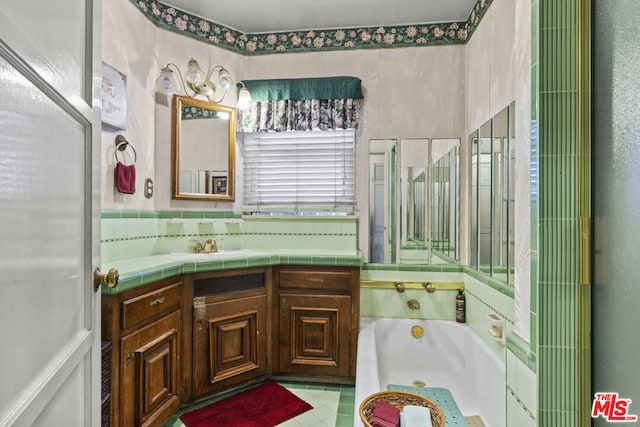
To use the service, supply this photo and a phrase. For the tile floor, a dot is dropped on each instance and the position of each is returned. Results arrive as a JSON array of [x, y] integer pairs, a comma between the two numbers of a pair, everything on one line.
[[333, 405]]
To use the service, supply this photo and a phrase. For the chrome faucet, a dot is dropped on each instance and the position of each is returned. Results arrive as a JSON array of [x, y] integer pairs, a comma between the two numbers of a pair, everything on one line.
[[413, 304]]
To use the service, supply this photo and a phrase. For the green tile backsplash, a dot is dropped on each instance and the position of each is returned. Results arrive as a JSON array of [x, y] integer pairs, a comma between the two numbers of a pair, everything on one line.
[[131, 234]]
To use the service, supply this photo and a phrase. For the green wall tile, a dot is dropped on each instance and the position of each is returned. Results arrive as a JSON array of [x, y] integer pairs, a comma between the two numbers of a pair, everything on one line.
[[558, 46], [558, 379], [555, 257], [559, 238], [558, 13]]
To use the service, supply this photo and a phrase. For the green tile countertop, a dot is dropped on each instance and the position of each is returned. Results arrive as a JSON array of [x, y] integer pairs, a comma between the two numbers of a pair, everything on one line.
[[142, 270]]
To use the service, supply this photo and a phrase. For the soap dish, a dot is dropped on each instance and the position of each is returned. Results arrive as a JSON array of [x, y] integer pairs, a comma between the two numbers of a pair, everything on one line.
[[495, 320], [497, 327]]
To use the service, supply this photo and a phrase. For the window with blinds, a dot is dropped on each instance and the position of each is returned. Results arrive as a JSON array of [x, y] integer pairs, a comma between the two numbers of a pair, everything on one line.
[[299, 172]]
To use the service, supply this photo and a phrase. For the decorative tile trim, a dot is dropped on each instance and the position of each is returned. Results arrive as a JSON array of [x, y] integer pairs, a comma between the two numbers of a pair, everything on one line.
[[113, 214], [196, 27], [131, 238], [522, 350], [222, 234], [291, 234], [433, 268], [489, 281], [105, 214], [178, 231], [152, 274], [522, 405], [199, 214]]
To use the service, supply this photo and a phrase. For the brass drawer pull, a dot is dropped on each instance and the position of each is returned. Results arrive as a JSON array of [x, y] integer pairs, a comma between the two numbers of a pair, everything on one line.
[[156, 301], [314, 279]]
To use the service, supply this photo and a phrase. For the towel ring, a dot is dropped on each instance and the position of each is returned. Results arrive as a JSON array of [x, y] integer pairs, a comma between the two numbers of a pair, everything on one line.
[[121, 145]]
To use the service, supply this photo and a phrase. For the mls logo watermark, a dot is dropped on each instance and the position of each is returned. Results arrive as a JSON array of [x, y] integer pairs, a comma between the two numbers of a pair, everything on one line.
[[612, 408]]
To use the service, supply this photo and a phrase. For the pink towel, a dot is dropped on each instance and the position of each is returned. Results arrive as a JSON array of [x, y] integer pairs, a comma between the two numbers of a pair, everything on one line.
[[125, 178], [385, 415]]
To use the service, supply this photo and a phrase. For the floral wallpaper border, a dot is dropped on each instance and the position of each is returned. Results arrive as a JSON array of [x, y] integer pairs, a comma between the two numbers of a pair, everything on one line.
[[185, 23]]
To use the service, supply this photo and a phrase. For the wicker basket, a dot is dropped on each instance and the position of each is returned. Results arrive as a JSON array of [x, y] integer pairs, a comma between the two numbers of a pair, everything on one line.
[[400, 399]]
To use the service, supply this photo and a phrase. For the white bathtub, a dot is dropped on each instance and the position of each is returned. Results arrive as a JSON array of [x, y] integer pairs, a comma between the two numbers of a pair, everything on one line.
[[449, 355]]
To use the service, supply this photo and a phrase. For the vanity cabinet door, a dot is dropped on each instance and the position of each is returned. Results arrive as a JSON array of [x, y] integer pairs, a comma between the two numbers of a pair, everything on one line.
[[316, 321], [315, 335], [145, 326], [150, 372], [229, 342]]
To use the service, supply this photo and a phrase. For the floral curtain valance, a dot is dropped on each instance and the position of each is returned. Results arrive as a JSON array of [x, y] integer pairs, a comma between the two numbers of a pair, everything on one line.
[[302, 104]]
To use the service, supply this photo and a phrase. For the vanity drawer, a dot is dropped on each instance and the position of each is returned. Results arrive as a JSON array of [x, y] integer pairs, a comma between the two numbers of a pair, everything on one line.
[[315, 279], [151, 304]]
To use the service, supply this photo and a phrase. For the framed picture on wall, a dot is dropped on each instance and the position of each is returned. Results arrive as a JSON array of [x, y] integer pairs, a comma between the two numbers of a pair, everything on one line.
[[114, 98], [219, 185]]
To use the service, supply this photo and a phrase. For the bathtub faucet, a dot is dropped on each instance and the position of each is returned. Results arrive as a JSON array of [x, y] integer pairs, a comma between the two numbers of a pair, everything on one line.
[[413, 304], [430, 287]]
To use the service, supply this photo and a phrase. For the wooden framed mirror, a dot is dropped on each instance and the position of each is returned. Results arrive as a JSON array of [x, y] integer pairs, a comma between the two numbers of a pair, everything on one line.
[[202, 150]]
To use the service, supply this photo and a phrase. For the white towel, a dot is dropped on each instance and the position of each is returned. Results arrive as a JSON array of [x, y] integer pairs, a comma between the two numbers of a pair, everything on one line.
[[415, 416]]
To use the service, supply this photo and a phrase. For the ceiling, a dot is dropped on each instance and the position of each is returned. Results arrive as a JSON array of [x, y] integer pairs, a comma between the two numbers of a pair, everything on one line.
[[248, 16]]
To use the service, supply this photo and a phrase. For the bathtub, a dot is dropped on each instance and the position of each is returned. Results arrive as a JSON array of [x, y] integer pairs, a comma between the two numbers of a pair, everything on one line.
[[449, 355]]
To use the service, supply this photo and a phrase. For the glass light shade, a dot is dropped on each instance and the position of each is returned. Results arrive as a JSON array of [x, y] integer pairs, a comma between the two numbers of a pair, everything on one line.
[[194, 74], [244, 98], [165, 82], [224, 79]]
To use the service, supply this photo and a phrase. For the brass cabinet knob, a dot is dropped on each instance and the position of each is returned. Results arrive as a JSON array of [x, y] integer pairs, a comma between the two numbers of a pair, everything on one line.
[[110, 278]]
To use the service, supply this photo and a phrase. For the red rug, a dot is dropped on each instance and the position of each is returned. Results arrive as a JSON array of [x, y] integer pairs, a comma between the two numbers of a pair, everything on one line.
[[266, 405]]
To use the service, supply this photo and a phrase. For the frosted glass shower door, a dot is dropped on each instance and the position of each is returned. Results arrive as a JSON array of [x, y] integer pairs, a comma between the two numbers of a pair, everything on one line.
[[616, 202]]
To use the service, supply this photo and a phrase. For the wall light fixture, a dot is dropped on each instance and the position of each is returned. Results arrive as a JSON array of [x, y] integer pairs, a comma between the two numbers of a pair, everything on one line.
[[213, 84]]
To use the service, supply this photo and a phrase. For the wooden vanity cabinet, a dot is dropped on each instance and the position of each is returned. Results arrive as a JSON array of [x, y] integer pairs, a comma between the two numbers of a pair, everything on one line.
[[180, 339], [229, 328], [316, 321], [144, 326]]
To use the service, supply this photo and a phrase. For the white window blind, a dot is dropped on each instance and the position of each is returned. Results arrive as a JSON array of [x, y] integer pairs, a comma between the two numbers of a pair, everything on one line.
[[299, 172]]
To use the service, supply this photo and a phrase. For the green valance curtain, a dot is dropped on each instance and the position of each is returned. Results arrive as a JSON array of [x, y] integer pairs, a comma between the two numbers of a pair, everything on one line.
[[300, 89], [323, 103]]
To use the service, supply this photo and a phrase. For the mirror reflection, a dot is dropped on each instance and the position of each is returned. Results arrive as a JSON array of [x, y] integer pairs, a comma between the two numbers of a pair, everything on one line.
[[493, 196], [483, 160], [202, 150], [418, 223], [414, 199], [445, 199], [382, 212], [473, 252], [414, 155]]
